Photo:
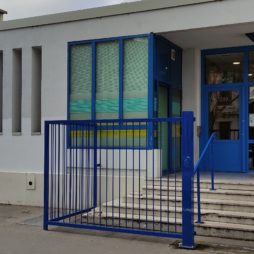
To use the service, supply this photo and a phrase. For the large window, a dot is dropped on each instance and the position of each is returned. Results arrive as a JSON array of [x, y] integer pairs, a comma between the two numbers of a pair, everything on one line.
[[109, 79]]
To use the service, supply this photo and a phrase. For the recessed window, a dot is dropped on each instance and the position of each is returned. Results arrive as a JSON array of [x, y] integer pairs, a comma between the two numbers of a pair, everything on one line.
[[36, 90], [16, 91], [224, 68]]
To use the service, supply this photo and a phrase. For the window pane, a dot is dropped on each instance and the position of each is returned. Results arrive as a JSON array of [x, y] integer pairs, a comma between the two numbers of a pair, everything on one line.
[[107, 80], [224, 68], [251, 113], [224, 114], [80, 83], [135, 103], [251, 67]]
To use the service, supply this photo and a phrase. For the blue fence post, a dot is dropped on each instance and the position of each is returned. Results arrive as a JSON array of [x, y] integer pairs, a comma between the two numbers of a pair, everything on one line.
[[187, 181], [46, 176], [212, 167], [95, 165], [198, 198]]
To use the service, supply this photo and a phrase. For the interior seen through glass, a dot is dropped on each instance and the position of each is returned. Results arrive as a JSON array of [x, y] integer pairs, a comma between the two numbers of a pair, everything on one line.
[[224, 68], [224, 114]]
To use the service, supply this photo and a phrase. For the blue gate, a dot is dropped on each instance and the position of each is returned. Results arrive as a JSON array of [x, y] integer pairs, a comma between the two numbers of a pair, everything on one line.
[[107, 175]]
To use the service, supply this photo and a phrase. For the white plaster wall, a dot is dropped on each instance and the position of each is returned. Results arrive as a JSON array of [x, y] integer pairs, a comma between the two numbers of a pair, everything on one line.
[[192, 89], [21, 154]]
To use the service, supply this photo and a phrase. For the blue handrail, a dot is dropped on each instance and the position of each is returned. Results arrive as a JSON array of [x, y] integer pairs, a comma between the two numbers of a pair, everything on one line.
[[197, 171], [212, 137]]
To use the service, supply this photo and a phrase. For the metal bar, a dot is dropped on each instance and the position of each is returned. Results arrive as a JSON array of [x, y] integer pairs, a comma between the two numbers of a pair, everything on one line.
[[46, 177], [126, 176], [100, 210], [119, 185], [95, 165], [174, 167], [212, 168], [146, 177], [187, 181], [142, 120], [118, 230], [213, 136], [133, 176], [113, 175], [139, 175], [198, 198]]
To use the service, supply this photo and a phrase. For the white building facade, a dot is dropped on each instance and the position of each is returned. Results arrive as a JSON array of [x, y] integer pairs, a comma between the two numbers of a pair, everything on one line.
[[34, 68]]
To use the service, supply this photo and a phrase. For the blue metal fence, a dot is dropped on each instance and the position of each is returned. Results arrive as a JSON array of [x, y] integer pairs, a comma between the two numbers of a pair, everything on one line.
[[110, 175]]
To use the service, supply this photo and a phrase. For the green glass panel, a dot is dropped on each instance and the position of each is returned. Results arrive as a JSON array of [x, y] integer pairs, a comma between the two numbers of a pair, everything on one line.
[[135, 78], [80, 82], [107, 80]]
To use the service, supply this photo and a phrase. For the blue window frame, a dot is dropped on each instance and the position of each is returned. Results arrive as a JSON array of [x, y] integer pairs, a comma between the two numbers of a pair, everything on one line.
[[120, 41], [150, 73]]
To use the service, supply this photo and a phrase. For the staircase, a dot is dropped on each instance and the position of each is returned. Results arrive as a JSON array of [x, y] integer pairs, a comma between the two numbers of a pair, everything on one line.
[[227, 212]]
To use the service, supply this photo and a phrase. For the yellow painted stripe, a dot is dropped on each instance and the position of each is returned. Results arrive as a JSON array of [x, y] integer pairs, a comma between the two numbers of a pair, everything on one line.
[[110, 133]]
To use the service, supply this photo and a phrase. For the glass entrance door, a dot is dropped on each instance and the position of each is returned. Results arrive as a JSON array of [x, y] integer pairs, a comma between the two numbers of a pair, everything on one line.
[[223, 112], [224, 119]]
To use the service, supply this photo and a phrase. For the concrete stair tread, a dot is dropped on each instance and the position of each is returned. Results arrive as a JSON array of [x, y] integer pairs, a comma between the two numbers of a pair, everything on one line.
[[142, 218], [203, 200], [116, 204], [217, 191], [232, 226], [156, 219], [208, 181]]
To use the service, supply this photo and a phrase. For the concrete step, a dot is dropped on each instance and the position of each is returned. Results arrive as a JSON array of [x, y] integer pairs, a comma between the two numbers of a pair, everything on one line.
[[243, 195], [208, 204], [216, 229], [117, 207], [205, 183]]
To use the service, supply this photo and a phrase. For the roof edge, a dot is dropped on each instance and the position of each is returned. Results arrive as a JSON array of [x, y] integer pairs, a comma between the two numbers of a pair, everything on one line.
[[100, 12]]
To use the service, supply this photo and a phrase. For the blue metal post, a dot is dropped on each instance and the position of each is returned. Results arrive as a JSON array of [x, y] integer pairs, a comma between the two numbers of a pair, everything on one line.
[[187, 181], [46, 176], [212, 167], [198, 196], [95, 164]]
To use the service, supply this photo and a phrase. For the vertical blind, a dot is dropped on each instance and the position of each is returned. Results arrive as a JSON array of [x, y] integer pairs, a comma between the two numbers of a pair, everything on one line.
[[135, 102], [80, 82], [107, 84], [107, 80]]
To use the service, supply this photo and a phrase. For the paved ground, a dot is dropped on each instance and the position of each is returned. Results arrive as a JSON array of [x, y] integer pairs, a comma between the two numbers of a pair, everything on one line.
[[21, 233]]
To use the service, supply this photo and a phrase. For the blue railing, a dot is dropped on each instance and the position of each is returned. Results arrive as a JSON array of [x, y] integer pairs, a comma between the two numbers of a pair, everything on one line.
[[121, 176], [208, 150]]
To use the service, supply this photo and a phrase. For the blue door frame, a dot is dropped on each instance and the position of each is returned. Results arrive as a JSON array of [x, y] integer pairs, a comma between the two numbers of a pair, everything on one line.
[[237, 149]]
